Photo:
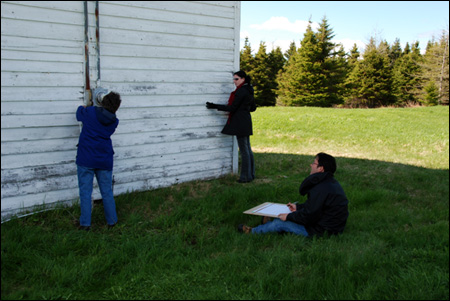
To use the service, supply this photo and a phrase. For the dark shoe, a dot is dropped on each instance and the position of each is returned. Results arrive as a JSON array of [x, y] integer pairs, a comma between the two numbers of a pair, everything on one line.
[[79, 227], [265, 219], [85, 228], [111, 226], [244, 229], [243, 181]]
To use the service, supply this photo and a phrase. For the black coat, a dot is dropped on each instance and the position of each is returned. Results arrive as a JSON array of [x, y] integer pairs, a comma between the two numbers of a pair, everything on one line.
[[326, 208], [241, 121]]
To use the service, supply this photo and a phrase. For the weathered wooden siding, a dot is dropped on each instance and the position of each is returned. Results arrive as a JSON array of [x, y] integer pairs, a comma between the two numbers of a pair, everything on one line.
[[166, 59]]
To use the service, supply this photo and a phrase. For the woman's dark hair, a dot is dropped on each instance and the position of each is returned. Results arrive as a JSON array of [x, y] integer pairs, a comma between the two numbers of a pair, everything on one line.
[[111, 102], [328, 162], [242, 74]]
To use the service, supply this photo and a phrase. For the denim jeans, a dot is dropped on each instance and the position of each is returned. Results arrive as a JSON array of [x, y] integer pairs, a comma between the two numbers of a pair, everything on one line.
[[277, 225], [85, 185], [247, 159]]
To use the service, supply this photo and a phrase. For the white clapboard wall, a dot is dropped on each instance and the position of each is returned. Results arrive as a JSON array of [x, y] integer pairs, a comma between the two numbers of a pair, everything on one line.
[[165, 58]]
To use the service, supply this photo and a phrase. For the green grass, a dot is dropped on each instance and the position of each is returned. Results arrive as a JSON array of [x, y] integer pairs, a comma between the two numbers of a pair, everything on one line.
[[181, 242], [414, 136]]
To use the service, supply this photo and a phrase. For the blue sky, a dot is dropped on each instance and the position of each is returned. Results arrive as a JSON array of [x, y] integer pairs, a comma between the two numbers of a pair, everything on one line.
[[279, 23]]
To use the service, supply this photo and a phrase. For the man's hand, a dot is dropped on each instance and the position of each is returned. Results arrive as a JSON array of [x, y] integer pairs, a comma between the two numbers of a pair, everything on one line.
[[282, 216], [292, 207]]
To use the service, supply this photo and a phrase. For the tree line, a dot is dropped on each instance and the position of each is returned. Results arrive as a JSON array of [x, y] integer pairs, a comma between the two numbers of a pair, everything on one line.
[[320, 73]]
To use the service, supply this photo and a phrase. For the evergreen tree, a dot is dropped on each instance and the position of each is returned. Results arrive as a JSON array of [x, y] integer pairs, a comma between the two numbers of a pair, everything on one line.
[[334, 64], [290, 52], [371, 79], [396, 51], [385, 50], [407, 49], [246, 57], [276, 60], [324, 36], [262, 68], [436, 66], [352, 60], [261, 77], [315, 74], [431, 94], [301, 83], [407, 77], [353, 57], [275, 64]]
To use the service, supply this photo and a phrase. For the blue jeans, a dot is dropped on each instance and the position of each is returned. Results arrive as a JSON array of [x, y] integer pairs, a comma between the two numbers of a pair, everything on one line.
[[277, 225], [85, 185], [247, 159]]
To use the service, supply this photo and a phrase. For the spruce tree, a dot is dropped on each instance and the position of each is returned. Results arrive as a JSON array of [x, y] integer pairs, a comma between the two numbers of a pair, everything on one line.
[[290, 52], [261, 77], [246, 57], [396, 51], [353, 56], [301, 83], [315, 74], [334, 64], [352, 61], [407, 76], [371, 79], [324, 36], [431, 96], [337, 72], [436, 66], [275, 63]]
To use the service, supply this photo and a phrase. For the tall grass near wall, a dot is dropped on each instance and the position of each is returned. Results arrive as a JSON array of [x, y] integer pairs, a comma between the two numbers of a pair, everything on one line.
[[181, 242]]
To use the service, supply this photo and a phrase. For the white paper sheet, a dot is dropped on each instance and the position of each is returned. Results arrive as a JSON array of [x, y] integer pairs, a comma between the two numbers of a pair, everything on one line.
[[273, 209]]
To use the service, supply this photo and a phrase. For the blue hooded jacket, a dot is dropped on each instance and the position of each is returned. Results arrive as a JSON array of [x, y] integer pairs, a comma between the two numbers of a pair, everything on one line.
[[94, 145]]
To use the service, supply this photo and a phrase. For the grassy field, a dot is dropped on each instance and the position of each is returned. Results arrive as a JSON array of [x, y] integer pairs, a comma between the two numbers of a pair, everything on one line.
[[413, 136], [181, 242]]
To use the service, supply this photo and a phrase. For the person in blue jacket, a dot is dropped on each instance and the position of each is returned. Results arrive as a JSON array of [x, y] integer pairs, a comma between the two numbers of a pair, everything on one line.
[[325, 210], [95, 157]]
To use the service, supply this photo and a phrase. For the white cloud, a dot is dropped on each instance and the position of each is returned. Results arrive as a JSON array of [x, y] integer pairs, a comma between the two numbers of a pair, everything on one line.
[[283, 23]]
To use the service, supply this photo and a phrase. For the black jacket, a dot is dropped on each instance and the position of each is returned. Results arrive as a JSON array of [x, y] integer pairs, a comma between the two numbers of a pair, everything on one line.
[[326, 207], [241, 121]]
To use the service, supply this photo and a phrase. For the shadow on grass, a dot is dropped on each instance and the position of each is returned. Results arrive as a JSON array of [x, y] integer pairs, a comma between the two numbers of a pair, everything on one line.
[[367, 183], [396, 238]]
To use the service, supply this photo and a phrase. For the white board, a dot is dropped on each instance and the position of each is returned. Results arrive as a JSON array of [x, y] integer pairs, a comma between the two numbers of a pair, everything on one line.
[[269, 209]]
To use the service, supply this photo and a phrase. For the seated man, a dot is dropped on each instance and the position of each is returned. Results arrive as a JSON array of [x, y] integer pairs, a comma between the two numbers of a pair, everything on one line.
[[325, 210]]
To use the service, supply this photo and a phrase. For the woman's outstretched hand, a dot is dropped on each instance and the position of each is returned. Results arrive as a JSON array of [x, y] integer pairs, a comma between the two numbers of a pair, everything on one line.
[[211, 105]]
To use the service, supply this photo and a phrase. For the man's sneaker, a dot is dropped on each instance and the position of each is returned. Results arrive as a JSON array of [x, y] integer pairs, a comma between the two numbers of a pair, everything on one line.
[[244, 229]]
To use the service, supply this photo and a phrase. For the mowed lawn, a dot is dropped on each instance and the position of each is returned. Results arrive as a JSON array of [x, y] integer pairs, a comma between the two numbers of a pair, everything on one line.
[[413, 136], [181, 242]]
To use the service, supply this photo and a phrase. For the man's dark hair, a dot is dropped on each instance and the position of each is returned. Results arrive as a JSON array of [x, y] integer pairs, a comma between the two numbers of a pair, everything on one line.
[[111, 102], [328, 162]]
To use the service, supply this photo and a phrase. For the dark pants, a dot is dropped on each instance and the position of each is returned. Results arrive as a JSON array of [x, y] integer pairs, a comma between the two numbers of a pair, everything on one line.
[[247, 160]]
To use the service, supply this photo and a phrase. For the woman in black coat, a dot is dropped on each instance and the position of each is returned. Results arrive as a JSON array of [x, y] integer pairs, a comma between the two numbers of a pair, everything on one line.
[[239, 123]]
